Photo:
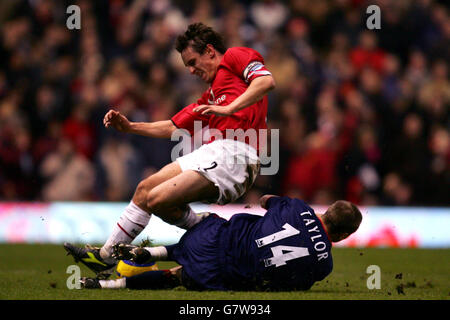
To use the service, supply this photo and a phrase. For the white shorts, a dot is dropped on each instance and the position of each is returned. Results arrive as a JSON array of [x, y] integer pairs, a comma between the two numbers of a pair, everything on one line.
[[231, 165]]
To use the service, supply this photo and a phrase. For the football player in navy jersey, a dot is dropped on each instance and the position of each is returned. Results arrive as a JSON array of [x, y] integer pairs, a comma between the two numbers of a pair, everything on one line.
[[289, 248]]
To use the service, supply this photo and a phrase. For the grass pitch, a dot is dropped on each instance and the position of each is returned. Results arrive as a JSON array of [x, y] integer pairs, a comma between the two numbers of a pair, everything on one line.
[[35, 272]]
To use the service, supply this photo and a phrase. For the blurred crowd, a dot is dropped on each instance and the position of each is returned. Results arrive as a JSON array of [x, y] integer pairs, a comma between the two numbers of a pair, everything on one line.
[[363, 114]]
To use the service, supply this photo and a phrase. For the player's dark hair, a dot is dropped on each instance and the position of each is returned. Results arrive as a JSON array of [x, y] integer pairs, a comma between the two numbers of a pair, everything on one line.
[[342, 217], [198, 36]]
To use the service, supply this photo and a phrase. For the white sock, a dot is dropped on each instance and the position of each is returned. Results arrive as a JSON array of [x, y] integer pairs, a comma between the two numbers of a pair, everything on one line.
[[189, 219], [130, 225], [113, 284], [158, 253]]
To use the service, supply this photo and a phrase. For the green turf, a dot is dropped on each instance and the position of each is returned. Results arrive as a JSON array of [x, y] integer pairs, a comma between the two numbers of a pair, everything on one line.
[[39, 272]]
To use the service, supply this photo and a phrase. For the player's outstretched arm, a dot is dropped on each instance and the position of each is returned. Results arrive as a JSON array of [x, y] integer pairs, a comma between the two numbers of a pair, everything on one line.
[[158, 129], [257, 89]]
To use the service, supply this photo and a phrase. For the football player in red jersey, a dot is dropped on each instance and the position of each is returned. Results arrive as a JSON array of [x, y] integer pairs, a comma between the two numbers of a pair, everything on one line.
[[221, 170]]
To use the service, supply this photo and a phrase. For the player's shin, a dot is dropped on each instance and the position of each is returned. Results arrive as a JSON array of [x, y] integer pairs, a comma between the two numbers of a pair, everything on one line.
[[113, 284], [129, 226], [190, 219], [158, 253]]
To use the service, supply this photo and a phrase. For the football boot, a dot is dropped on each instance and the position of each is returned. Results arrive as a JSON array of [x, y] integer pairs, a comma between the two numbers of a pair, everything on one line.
[[90, 283], [123, 251], [90, 257]]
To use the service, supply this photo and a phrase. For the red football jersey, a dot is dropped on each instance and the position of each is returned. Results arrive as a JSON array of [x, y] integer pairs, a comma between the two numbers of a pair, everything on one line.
[[239, 66]]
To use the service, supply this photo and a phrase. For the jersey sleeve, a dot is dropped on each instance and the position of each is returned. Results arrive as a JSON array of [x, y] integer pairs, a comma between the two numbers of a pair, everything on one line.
[[186, 118], [246, 63], [277, 205]]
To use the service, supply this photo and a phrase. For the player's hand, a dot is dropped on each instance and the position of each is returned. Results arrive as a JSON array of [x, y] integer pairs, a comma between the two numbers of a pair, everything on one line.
[[116, 120], [263, 200], [207, 109]]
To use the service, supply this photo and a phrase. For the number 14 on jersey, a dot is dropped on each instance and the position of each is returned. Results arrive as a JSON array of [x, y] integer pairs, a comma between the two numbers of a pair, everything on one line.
[[281, 253]]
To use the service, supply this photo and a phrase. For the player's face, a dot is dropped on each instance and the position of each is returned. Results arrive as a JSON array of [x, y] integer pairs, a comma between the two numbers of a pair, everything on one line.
[[201, 65]]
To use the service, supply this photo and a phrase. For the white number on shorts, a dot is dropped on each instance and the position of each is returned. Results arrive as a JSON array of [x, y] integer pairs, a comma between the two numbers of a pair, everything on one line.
[[281, 254]]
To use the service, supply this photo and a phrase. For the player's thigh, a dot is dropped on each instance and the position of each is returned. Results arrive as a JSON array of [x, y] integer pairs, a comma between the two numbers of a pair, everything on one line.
[[167, 172], [188, 186]]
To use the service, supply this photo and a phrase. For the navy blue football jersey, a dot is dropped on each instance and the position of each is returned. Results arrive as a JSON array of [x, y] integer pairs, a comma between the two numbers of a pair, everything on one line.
[[286, 249]]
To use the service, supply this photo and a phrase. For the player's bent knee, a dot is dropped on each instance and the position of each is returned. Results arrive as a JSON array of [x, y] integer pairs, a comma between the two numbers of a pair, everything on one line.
[[143, 189], [140, 193]]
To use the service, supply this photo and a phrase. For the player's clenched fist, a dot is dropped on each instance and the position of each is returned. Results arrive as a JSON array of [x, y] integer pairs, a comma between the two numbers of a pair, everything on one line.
[[116, 120]]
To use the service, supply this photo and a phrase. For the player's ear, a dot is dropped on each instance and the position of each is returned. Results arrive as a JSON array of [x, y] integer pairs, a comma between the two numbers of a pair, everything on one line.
[[210, 51]]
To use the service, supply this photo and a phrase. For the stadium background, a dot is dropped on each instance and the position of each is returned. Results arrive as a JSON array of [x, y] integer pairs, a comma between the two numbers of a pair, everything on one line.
[[364, 115]]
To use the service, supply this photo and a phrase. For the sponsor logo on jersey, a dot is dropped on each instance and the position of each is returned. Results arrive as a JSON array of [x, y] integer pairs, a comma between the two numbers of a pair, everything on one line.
[[213, 100]]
